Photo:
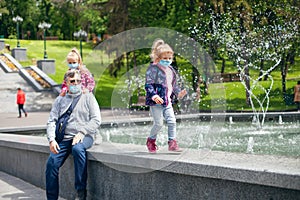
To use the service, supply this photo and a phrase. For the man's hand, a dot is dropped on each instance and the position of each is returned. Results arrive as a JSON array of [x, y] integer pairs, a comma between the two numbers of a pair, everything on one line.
[[54, 147], [158, 100], [78, 138]]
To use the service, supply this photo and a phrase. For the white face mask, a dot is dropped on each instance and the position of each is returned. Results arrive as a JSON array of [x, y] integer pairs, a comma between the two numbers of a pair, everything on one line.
[[75, 89]]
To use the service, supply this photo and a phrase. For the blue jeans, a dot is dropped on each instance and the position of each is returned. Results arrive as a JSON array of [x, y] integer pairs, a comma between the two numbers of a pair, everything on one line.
[[55, 161], [159, 113]]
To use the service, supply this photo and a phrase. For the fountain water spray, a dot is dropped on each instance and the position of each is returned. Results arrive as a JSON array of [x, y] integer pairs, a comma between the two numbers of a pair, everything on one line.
[[245, 48], [280, 121], [249, 49], [230, 120], [250, 145], [126, 45]]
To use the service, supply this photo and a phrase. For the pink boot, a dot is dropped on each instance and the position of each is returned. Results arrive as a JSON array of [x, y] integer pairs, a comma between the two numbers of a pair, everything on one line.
[[173, 146], [152, 147]]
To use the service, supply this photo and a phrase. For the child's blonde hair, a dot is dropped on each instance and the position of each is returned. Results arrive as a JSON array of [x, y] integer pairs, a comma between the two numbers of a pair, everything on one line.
[[158, 48], [74, 53]]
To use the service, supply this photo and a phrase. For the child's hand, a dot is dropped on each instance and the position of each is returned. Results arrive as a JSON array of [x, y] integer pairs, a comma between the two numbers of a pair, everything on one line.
[[85, 90], [182, 93], [63, 93], [158, 100]]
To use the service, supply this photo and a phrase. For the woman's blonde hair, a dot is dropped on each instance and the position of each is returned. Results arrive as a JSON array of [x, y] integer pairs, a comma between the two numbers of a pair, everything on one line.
[[158, 48]]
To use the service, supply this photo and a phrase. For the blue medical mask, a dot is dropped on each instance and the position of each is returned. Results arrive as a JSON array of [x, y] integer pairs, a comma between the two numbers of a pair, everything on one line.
[[75, 89], [73, 65], [165, 63]]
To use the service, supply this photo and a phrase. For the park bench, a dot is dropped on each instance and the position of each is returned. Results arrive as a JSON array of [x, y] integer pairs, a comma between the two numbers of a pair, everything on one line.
[[226, 77], [51, 37], [140, 105]]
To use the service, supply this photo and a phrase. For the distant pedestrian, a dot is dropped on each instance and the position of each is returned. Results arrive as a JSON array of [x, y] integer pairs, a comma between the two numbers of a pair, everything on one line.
[[297, 95], [161, 87], [74, 61], [21, 101]]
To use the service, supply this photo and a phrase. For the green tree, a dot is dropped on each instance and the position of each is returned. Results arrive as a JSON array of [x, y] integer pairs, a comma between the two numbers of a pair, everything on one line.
[[3, 11], [176, 15]]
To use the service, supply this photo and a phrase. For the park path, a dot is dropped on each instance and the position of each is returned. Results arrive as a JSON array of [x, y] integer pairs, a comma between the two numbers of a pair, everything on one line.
[[15, 188], [38, 104], [35, 101]]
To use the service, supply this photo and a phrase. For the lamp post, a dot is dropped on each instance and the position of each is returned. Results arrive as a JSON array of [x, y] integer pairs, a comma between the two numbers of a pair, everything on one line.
[[81, 34], [1, 15], [44, 26], [17, 19]]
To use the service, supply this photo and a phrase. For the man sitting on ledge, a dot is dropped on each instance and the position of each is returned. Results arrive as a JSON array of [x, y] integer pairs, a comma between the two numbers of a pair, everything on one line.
[[83, 123]]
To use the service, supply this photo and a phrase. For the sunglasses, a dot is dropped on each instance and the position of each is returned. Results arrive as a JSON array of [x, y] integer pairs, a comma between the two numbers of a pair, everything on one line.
[[77, 81]]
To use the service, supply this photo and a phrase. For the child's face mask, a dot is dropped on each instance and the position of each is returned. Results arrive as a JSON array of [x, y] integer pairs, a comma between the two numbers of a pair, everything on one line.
[[165, 63], [73, 65]]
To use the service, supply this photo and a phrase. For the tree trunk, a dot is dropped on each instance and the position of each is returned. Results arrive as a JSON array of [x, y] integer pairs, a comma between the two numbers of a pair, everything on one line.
[[206, 73], [128, 77], [261, 68], [291, 55], [283, 74], [195, 72], [247, 82], [136, 73], [223, 65]]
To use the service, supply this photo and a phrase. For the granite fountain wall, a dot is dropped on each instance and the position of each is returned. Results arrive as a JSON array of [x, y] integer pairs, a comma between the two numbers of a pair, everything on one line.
[[135, 174]]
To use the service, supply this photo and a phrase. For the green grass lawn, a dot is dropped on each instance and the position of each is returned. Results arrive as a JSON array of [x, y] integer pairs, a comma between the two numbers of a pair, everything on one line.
[[235, 94], [231, 94]]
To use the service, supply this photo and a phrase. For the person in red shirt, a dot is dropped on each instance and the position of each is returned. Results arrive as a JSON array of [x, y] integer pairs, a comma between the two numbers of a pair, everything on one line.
[[21, 101]]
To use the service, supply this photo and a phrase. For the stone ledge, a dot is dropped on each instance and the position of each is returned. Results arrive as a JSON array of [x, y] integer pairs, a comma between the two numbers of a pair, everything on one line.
[[254, 169], [13, 60], [33, 83], [281, 172], [6, 68]]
